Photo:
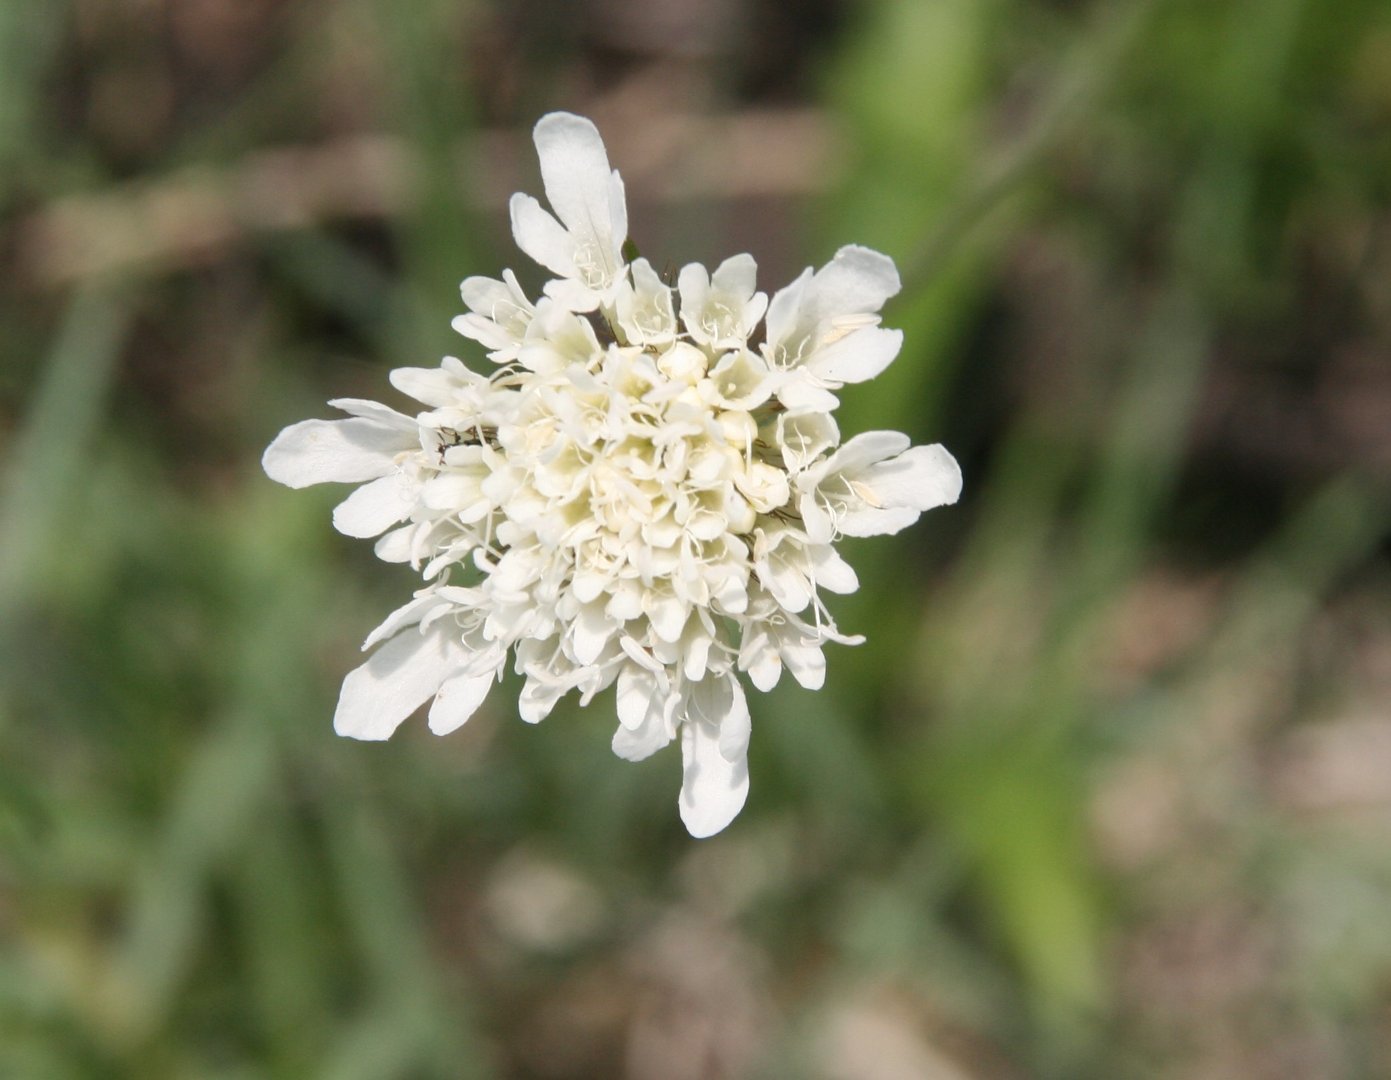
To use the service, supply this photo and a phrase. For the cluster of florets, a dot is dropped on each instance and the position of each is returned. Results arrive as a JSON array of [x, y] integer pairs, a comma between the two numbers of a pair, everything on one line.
[[644, 490]]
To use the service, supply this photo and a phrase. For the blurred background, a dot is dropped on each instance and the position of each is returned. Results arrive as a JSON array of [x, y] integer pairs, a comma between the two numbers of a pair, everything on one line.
[[1106, 794]]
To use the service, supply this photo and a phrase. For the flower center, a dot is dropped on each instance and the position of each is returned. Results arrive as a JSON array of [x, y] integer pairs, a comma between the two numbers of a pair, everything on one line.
[[593, 267]]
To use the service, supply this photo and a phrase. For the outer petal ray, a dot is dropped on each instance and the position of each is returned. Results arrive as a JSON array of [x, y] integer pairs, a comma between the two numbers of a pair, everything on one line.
[[713, 788], [396, 679], [374, 507], [334, 451]]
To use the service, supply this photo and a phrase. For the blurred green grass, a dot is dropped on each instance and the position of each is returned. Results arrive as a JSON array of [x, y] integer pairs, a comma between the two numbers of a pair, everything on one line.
[[1085, 804]]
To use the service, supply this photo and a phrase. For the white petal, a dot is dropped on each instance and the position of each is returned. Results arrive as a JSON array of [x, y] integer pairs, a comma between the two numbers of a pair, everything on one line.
[[636, 745], [732, 594], [807, 664], [783, 310], [489, 297], [868, 521], [498, 311], [719, 703], [618, 214], [375, 410], [743, 380], [857, 280], [541, 236], [374, 507], [737, 275], [626, 600], [457, 700], [786, 583], [693, 284], [816, 521], [765, 668], [578, 180], [713, 788], [647, 280], [572, 295], [644, 307], [538, 698], [753, 311], [857, 357], [802, 438], [405, 615], [395, 546], [667, 615], [484, 331], [451, 491], [865, 449], [592, 630], [832, 572], [803, 392], [588, 584], [637, 691], [923, 477], [334, 451], [431, 386], [697, 658], [396, 679]]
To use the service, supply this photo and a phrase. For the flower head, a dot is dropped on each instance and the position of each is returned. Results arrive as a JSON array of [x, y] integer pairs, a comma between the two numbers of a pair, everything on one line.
[[645, 491]]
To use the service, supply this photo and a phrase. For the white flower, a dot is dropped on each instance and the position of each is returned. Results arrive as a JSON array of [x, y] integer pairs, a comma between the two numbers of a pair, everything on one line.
[[499, 314], [823, 329], [585, 246], [721, 309], [875, 484], [645, 492], [643, 309]]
